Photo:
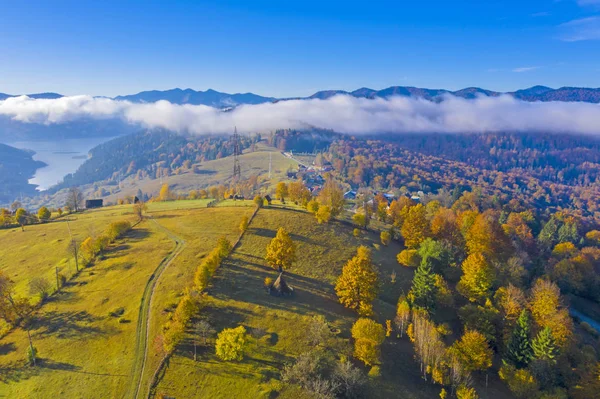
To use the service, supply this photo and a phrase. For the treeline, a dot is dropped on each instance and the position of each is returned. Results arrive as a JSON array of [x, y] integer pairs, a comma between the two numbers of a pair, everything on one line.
[[93, 247], [151, 153]]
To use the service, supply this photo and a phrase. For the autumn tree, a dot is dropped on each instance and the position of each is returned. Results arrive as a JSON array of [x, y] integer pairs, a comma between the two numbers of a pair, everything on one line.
[[547, 310], [409, 258], [358, 284], [21, 217], [281, 191], [323, 214], [368, 336], [487, 237], [244, 224], [16, 311], [231, 343], [385, 237], [477, 278], [332, 195], [402, 314], [299, 193], [139, 208], [281, 251], [473, 351], [165, 193], [361, 220], [415, 228], [43, 214]]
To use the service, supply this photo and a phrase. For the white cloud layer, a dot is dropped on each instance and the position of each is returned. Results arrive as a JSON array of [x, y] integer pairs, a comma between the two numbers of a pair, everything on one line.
[[344, 114]]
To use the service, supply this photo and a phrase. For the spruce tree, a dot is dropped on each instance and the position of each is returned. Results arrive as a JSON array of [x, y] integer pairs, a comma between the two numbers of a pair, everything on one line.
[[422, 293], [518, 350], [544, 347]]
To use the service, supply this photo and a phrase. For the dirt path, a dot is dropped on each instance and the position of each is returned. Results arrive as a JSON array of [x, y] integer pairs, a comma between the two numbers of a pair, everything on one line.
[[142, 337]]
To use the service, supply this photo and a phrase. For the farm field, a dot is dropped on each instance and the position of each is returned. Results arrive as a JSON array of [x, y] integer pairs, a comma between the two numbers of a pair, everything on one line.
[[277, 325]]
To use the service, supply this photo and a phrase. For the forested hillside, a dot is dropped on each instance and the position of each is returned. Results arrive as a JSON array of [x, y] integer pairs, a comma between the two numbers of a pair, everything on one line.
[[555, 171], [16, 168], [152, 153]]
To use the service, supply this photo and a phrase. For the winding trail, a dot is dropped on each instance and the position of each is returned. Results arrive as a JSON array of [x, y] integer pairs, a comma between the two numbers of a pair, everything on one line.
[[143, 324]]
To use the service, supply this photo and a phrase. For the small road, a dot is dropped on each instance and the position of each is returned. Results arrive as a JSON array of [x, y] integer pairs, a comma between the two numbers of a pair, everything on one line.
[[142, 343]]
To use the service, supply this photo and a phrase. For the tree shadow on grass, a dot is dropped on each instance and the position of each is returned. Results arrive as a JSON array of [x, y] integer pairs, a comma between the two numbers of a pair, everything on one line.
[[16, 371], [66, 325], [269, 233], [6, 348], [137, 234]]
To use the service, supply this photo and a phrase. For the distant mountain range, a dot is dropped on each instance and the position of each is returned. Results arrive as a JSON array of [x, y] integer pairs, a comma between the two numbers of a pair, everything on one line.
[[217, 99]]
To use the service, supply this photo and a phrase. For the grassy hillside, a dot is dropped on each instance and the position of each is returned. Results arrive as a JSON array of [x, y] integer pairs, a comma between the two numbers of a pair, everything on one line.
[[211, 173], [84, 351], [278, 325], [200, 229], [42, 247]]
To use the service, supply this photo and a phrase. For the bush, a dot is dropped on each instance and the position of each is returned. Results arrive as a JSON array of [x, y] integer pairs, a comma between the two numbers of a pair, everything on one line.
[[117, 229], [385, 237], [268, 282], [259, 201], [31, 355], [312, 206], [41, 287], [409, 258], [356, 233], [231, 343], [375, 372]]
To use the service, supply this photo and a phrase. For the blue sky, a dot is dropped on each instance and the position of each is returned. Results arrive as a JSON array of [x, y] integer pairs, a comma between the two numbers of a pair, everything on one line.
[[294, 48]]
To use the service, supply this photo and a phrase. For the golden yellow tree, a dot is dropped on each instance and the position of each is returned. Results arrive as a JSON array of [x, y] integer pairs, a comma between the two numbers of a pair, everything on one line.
[[477, 278], [281, 251], [368, 336], [415, 228], [165, 193], [281, 190], [548, 311], [357, 286], [332, 195], [473, 351]]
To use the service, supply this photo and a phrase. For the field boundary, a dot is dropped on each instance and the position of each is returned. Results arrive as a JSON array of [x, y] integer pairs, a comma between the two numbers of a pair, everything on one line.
[[142, 336]]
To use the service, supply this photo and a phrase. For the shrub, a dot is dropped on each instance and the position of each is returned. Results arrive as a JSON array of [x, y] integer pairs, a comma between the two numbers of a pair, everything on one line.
[[356, 233], [268, 282], [117, 229], [375, 372], [231, 343], [31, 354], [385, 237], [312, 206], [409, 258], [41, 287], [259, 201]]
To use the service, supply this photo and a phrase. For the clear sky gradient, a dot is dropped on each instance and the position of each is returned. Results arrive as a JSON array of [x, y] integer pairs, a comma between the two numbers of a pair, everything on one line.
[[294, 48]]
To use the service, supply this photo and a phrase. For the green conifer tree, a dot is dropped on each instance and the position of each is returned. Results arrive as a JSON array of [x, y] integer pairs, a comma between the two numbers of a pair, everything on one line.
[[544, 347], [518, 350], [422, 293]]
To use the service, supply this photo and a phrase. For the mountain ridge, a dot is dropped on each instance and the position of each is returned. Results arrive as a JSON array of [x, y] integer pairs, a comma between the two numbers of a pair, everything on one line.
[[214, 98]]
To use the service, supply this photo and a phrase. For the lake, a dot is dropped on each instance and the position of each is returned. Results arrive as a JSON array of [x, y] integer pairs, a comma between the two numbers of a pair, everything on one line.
[[62, 157]]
